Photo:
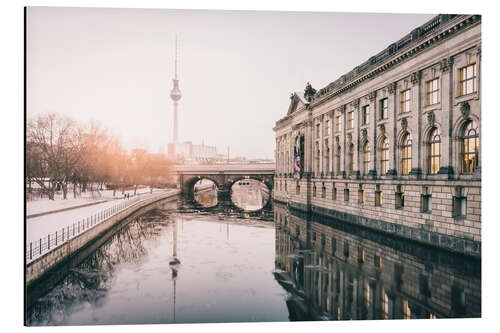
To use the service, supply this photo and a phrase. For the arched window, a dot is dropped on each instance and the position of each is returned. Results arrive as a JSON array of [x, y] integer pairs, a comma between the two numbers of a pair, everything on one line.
[[434, 149], [384, 156], [350, 159], [366, 158], [406, 154], [470, 147]]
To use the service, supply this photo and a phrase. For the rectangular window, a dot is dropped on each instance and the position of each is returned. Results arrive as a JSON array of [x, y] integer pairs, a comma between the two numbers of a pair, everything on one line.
[[317, 130], [426, 203], [432, 91], [400, 198], [346, 194], [404, 100], [323, 191], [327, 127], [338, 124], [459, 207], [334, 193], [468, 80], [378, 197], [366, 114], [350, 120], [384, 105], [361, 196]]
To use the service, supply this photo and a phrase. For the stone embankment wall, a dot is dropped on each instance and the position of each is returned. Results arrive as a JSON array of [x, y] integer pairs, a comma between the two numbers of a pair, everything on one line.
[[37, 268], [436, 226]]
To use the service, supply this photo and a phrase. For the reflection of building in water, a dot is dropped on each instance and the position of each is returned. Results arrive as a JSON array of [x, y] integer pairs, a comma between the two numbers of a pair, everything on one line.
[[347, 272], [249, 194]]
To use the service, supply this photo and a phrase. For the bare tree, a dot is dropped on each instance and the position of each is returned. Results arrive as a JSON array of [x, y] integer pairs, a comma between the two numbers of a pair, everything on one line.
[[53, 151]]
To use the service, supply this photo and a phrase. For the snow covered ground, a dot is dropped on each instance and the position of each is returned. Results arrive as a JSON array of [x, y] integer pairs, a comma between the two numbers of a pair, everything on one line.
[[46, 205], [41, 226]]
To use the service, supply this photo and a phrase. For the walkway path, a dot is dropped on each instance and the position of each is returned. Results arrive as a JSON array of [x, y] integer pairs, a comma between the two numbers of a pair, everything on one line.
[[40, 227]]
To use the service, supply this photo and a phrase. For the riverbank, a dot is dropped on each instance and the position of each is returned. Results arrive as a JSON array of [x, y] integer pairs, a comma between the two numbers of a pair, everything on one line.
[[46, 262]]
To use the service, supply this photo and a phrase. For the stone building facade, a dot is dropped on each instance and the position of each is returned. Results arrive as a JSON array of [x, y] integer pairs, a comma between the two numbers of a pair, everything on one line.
[[394, 144]]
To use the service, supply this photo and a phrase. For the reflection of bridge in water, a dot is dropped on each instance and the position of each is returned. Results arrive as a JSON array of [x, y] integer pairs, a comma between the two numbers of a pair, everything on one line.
[[225, 176]]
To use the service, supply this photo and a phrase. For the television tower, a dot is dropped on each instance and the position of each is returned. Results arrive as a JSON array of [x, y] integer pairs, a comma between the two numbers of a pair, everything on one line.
[[175, 95]]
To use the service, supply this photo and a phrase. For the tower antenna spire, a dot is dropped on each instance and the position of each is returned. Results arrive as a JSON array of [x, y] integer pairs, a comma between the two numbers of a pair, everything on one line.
[[175, 95], [176, 54]]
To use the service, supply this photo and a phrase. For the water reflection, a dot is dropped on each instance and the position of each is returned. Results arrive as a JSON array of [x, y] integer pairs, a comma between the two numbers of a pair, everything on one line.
[[205, 193], [171, 265], [334, 271], [249, 194]]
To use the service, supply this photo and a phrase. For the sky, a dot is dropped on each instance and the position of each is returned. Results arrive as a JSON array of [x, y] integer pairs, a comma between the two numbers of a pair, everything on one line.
[[236, 68]]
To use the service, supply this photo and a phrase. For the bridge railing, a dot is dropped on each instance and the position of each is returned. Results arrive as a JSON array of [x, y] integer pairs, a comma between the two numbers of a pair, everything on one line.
[[59, 237]]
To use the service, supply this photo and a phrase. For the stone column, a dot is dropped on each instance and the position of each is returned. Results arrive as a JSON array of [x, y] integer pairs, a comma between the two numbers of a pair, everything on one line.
[[343, 142], [372, 173], [414, 124], [390, 130], [446, 118]]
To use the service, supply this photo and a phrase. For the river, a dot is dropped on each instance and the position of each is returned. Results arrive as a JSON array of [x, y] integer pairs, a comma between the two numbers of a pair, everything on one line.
[[182, 263]]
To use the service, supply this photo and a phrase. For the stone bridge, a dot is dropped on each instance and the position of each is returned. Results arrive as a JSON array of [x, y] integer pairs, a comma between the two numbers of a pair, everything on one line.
[[223, 175]]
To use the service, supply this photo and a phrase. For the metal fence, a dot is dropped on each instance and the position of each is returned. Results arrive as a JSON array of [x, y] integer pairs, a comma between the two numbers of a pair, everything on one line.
[[51, 241]]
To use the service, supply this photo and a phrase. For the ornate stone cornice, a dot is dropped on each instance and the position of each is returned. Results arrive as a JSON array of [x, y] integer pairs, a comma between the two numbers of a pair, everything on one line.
[[465, 109], [415, 77], [404, 123], [391, 88], [355, 103], [442, 31], [431, 118], [446, 64]]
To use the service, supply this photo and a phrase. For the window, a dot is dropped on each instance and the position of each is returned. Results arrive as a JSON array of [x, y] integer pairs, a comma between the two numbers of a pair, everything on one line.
[[366, 158], [400, 198], [384, 304], [350, 120], [406, 154], [468, 80], [334, 245], [350, 159], [384, 156], [323, 191], [384, 112], [406, 310], [404, 100], [317, 130], [366, 114], [470, 147], [346, 194], [361, 195], [297, 188], [432, 91], [327, 127], [338, 124], [426, 203], [459, 204], [361, 255], [434, 148], [286, 186], [314, 190], [334, 192], [346, 248], [378, 196]]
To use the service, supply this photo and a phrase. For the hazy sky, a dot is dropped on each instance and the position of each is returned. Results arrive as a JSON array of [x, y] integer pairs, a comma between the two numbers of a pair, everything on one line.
[[237, 68]]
